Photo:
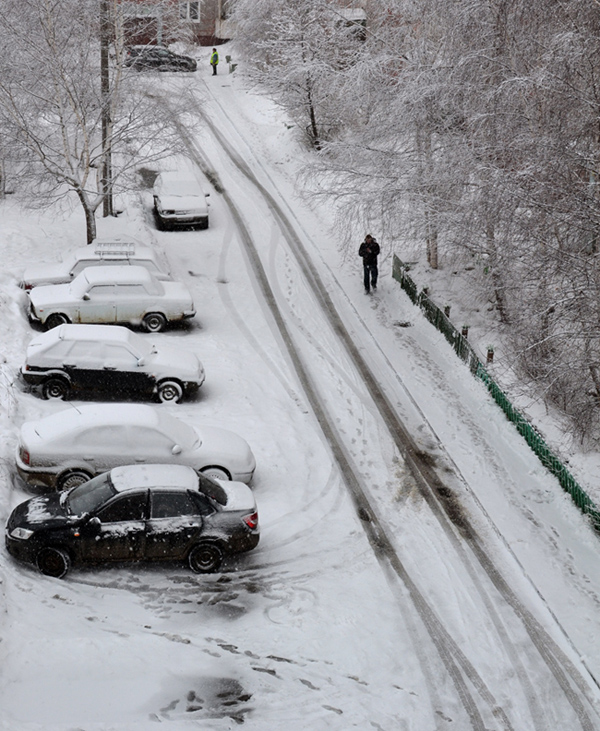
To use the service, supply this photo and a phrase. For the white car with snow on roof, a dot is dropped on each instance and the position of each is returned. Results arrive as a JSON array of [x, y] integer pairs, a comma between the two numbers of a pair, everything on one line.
[[112, 294], [71, 446], [179, 200]]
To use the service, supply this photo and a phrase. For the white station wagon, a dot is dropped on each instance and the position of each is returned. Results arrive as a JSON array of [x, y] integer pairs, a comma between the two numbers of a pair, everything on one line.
[[111, 294], [69, 447], [72, 360], [101, 252]]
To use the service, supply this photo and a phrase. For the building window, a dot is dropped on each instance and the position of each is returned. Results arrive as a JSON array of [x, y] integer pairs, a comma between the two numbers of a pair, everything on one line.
[[190, 10]]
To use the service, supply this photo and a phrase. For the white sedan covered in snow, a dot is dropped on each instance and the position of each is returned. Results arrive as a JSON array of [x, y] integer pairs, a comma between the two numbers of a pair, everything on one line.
[[112, 294], [71, 446]]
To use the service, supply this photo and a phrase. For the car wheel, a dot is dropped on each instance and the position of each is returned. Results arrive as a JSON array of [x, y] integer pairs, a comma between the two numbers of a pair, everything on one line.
[[56, 388], [71, 479], [169, 392], [56, 319], [205, 558], [154, 322], [53, 562], [217, 473]]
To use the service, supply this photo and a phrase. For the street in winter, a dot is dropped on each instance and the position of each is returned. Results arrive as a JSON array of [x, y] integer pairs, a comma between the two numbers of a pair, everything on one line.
[[417, 567]]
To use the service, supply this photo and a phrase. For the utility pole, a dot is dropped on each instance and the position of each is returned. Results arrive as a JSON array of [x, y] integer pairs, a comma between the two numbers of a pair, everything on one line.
[[106, 181]]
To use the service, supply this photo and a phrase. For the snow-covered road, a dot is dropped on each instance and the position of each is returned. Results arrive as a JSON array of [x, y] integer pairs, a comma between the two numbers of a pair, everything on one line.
[[392, 615]]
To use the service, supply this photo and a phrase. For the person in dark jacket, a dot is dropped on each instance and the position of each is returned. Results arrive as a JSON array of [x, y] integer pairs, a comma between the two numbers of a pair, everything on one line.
[[369, 251], [214, 60]]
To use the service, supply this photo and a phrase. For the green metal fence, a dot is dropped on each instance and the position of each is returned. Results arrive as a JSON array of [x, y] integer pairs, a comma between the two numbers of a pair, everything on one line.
[[465, 351]]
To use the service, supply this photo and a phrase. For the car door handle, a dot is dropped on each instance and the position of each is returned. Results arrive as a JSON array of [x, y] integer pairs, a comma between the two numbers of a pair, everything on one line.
[[69, 365], [110, 368]]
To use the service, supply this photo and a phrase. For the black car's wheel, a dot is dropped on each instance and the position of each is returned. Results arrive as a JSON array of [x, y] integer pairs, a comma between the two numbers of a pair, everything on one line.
[[205, 558], [154, 322], [170, 392], [56, 319], [71, 479], [53, 562], [56, 388], [217, 473]]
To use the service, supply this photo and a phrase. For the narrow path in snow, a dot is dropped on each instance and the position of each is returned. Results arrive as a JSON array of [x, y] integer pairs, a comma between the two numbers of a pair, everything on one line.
[[441, 499]]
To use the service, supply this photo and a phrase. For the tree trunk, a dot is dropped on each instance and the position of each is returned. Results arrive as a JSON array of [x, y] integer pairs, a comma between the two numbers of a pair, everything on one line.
[[90, 216]]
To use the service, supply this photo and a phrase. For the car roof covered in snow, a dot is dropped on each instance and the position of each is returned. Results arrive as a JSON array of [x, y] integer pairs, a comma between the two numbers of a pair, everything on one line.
[[76, 417], [133, 477], [116, 275], [68, 331], [117, 247]]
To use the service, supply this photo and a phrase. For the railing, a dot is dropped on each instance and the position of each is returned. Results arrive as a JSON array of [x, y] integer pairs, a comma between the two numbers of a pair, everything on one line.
[[465, 351]]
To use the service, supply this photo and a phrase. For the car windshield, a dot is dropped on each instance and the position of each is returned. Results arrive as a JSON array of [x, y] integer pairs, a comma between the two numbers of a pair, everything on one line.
[[212, 489], [181, 188], [70, 261], [180, 432], [80, 285], [139, 346], [90, 495]]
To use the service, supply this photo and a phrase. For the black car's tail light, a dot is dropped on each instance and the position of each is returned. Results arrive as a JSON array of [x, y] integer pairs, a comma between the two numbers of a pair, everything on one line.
[[251, 520], [24, 455]]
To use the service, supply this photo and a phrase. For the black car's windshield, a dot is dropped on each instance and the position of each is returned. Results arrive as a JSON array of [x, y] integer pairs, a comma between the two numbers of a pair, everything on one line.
[[212, 489], [89, 496]]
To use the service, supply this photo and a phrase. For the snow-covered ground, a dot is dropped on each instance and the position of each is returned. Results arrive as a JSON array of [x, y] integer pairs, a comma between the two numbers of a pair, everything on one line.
[[319, 627]]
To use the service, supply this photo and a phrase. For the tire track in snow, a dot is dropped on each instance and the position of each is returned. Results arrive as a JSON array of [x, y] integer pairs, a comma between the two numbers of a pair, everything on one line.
[[433, 490]]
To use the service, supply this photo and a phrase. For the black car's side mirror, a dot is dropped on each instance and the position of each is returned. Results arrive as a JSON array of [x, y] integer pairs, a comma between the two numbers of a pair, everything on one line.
[[85, 297], [94, 524]]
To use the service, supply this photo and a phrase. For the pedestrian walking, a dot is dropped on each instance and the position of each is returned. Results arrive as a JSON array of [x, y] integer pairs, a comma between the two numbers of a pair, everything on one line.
[[369, 251], [214, 60]]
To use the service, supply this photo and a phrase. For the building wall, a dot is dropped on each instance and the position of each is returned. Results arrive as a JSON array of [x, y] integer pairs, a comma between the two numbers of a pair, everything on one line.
[[205, 22], [166, 21]]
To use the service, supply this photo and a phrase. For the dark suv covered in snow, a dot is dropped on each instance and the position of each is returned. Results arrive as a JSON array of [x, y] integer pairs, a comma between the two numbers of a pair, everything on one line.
[[78, 360], [142, 58]]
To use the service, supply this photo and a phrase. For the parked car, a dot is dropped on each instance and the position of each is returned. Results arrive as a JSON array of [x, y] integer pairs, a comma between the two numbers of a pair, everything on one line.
[[144, 58], [105, 294], [72, 360], [179, 201], [102, 252], [69, 447], [136, 513]]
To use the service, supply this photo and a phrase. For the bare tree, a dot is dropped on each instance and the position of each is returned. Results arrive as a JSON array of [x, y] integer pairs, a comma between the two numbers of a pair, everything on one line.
[[53, 107]]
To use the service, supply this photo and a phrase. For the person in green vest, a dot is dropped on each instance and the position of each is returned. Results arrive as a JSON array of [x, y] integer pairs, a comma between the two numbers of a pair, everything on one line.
[[214, 60]]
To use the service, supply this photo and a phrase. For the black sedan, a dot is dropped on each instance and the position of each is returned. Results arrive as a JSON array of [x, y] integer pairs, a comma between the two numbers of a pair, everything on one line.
[[142, 58], [136, 513]]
